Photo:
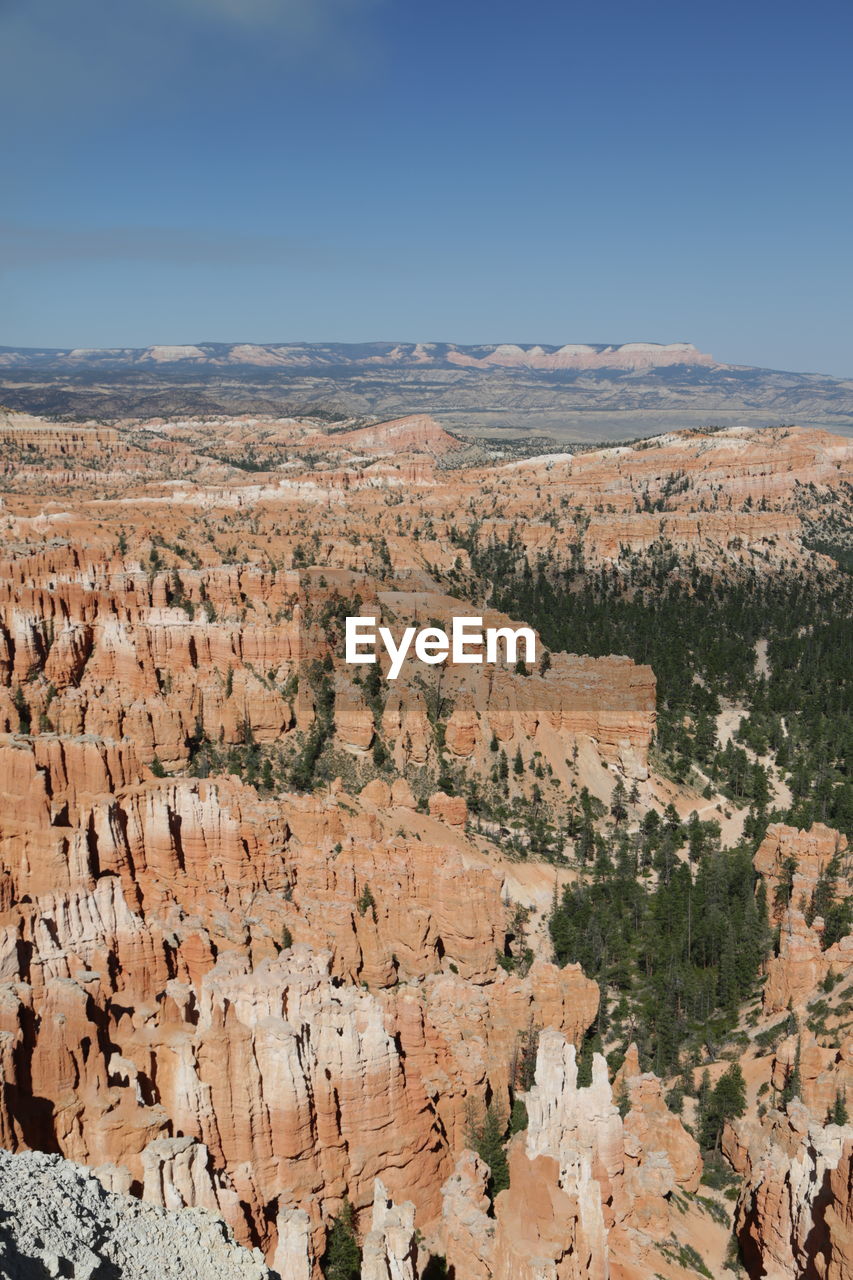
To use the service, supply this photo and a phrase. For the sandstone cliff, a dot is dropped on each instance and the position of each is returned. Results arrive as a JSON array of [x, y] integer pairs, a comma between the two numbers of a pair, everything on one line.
[[589, 1194], [225, 990]]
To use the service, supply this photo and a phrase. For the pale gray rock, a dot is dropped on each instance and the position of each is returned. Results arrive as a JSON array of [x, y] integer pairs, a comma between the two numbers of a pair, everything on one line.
[[58, 1220]]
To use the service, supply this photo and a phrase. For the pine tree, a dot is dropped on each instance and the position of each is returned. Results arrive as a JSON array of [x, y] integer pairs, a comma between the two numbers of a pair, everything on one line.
[[617, 801], [487, 1140], [23, 710], [703, 1105], [764, 933], [794, 1083], [367, 902], [782, 896], [839, 1110], [343, 1256], [517, 1117], [822, 899], [585, 843], [730, 1093], [838, 920], [726, 1101], [525, 1065]]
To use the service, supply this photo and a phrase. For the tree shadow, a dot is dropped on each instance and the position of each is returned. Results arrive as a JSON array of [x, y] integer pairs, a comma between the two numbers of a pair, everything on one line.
[[437, 1269]]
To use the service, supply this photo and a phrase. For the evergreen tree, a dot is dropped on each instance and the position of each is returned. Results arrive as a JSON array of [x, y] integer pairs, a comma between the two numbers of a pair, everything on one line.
[[487, 1139], [23, 710], [618, 800], [366, 902], [794, 1084], [342, 1260], [517, 1117], [838, 1114], [730, 1093], [726, 1101], [838, 921], [689, 626], [703, 1106], [682, 950], [525, 1059]]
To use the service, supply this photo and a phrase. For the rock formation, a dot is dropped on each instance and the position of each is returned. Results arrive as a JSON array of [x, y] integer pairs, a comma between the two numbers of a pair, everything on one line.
[[260, 950], [791, 863], [588, 1191], [58, 1220], [390, 1248], [793, 1212]]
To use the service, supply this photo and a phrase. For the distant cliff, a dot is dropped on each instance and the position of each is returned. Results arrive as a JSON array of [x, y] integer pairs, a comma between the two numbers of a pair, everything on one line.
[[579, 391]]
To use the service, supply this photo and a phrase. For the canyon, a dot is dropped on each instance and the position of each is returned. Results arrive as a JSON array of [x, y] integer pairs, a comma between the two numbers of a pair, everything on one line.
[[256, 1002]]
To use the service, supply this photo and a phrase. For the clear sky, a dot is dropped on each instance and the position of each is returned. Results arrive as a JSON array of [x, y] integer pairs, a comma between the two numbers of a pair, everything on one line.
[[459, 170]]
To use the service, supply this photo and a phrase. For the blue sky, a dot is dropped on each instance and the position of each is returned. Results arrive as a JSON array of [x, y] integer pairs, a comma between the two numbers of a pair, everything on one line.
[[272, 170]]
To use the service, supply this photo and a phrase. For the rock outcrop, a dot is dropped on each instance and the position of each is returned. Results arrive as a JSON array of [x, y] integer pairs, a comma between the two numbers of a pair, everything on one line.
[[791, 864], [58, 1220], [585, 1196], [794, 1209], [390, 1248], [181, 962], [259, 953], [825, 1073]]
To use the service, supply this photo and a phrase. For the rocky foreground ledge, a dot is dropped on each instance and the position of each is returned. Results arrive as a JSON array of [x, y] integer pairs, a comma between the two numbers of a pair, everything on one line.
[[56, 1219]]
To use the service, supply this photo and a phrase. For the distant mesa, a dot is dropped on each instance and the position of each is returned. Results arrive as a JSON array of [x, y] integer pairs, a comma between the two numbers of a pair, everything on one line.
[[165, 355], [630, 355], [560, 393]]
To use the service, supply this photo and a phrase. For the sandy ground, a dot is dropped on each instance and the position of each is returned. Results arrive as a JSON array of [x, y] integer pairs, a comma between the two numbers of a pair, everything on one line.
[[762, 666]]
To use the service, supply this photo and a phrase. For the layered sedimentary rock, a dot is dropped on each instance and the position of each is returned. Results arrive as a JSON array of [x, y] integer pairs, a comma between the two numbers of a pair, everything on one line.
[[791, 863], [113, 656], [794, 1209], [797, 860], [170, 1030], [390, 1248], [467, 1229], [650, 1125], [589, 1193], [420, 433], [839, 1217], [825, 1072], [225, 993]]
